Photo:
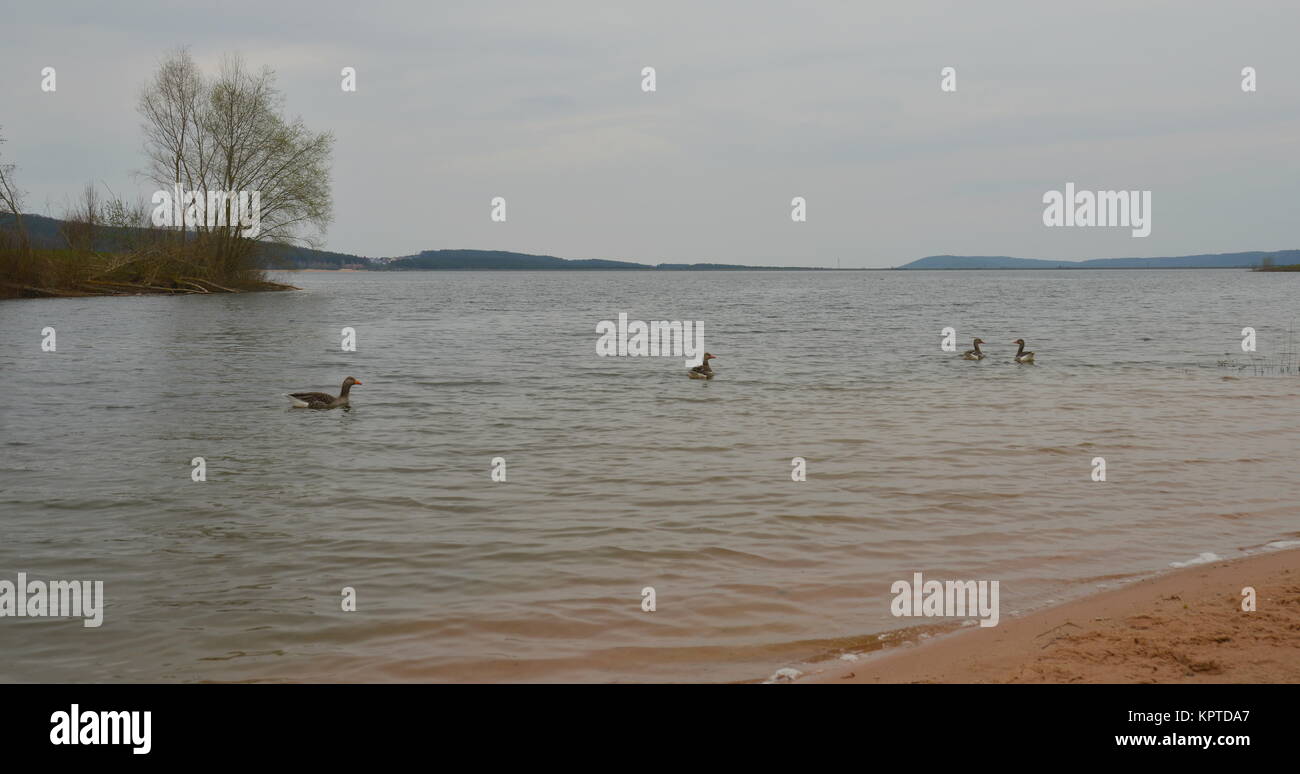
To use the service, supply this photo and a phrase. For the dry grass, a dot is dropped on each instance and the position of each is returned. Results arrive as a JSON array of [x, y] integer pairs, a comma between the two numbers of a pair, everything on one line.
[[157, 266]]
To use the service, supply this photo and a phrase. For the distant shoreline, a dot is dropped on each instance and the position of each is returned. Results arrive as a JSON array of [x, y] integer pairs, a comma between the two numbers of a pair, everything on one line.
[[48, 233], [803, 268]]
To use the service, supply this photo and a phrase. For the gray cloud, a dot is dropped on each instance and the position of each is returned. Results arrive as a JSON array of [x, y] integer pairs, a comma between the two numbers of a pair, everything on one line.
[[757, 102]]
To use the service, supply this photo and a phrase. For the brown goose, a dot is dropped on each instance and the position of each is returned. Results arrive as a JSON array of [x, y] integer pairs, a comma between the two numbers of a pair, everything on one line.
[[974, 354], [1021, 355], [703, 370], [322, 400]]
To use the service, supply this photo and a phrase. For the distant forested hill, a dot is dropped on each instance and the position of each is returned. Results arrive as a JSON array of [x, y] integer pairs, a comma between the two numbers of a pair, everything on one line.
[[278, 256], [496, 259], [47, 233], [503, 260], [1205, 261]]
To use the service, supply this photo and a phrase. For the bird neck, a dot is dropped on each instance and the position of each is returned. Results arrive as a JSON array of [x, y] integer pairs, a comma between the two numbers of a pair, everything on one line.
[[343, 393]]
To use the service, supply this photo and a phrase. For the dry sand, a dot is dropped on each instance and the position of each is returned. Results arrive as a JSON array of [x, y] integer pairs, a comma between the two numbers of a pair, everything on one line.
[[1185, 626]]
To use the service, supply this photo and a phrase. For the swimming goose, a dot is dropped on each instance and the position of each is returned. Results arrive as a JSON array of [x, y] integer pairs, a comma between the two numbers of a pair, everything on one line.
[[974, 354], [1021, 355], [322, 400], [703, 370]]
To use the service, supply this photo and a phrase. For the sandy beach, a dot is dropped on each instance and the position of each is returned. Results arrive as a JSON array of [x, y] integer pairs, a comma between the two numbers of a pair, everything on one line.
[[1185, 626]]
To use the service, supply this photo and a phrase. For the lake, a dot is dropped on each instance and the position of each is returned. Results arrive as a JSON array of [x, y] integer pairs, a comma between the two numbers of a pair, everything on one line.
[[621, 473]]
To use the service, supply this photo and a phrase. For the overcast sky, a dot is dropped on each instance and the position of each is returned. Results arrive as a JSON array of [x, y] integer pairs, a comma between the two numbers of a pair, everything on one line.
[[757, 102]]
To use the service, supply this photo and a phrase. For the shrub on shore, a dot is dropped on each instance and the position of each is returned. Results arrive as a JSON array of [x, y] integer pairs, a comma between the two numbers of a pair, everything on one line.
[[43, 272], [111, 248]]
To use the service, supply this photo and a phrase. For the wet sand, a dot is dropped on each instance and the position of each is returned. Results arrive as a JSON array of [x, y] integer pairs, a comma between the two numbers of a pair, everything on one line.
[[1186, 626]]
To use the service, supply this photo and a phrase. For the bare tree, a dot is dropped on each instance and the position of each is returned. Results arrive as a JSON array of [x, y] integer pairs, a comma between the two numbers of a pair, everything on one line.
[[11, 201], [170, 106], [81, 220], [228, 134]]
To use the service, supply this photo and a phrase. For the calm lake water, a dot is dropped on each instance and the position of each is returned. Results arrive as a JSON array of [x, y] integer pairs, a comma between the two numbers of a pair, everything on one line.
[[621, 472]]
